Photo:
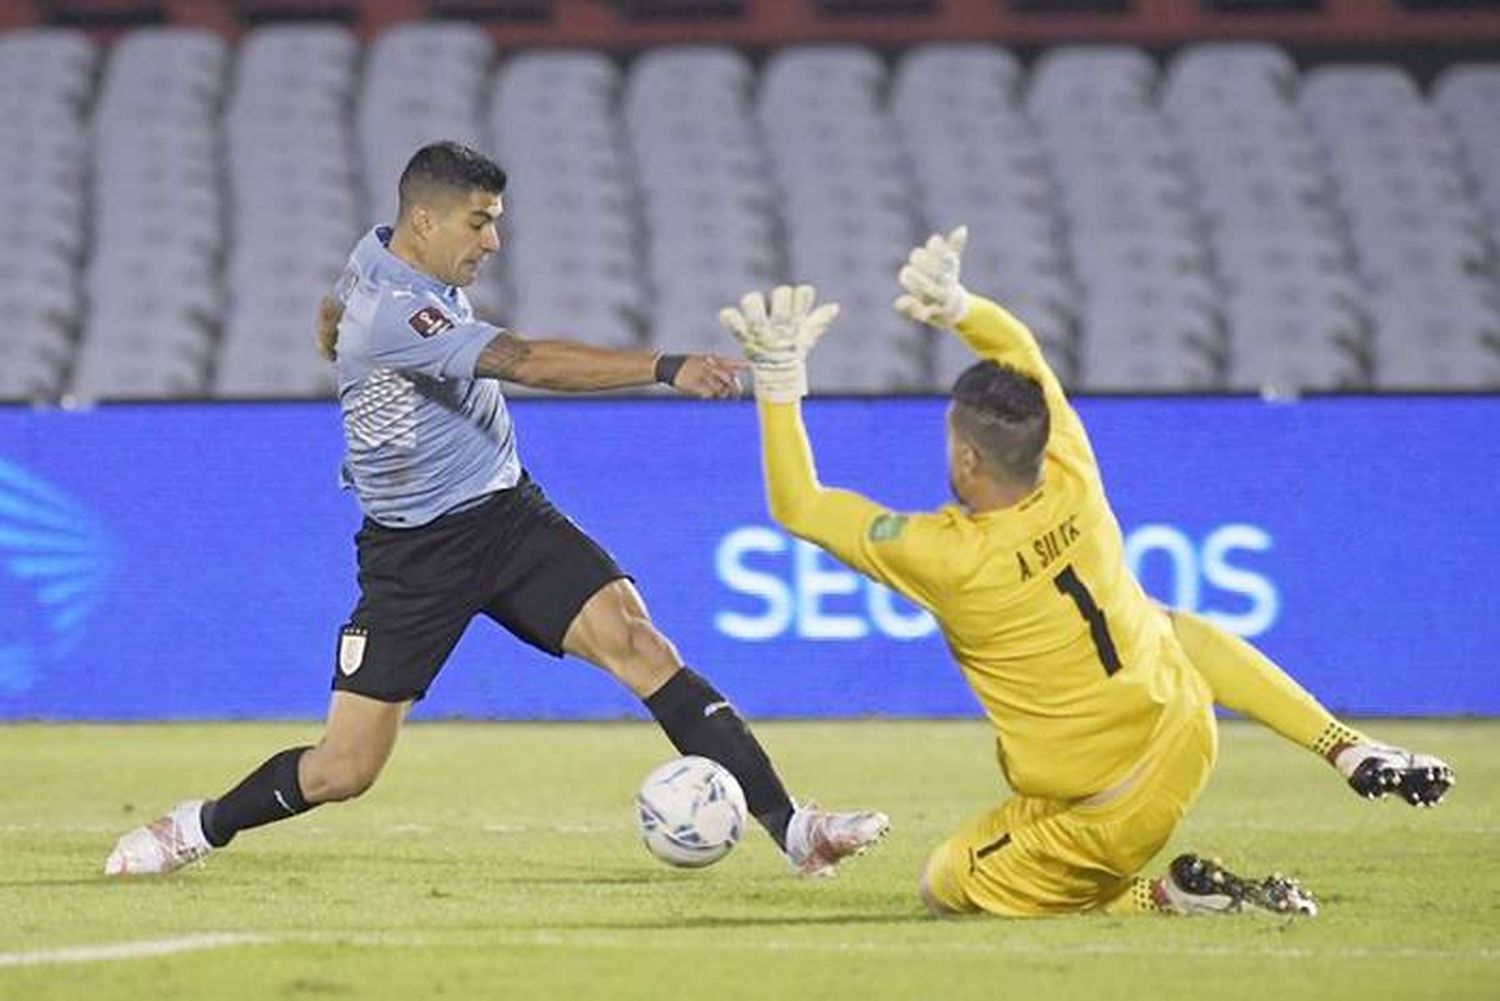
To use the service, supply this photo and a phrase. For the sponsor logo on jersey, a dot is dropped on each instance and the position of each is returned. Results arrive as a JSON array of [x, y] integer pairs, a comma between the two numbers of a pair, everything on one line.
[[429, 320]]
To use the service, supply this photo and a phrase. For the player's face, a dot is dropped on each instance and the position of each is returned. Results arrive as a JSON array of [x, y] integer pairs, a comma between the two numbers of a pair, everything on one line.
[[466, 234]]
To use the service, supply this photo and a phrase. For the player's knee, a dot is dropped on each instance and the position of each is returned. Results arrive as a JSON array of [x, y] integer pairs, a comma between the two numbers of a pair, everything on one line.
[[335, 778], [346, 785], [645, 644], [640, 655]]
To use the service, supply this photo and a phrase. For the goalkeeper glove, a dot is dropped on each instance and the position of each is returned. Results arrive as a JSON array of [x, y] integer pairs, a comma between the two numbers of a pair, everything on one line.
[[930, 278], [777, 341]]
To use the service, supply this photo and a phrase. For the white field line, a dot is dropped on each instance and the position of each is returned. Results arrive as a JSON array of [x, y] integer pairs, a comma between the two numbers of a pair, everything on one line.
[[559, 940], [133, 950]]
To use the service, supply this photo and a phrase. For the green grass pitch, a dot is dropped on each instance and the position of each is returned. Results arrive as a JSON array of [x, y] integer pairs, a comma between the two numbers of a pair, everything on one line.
[[500, 860]]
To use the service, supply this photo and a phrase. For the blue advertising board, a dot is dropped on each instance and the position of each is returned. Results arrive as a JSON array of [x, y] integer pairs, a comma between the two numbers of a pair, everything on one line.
[[195, 561]]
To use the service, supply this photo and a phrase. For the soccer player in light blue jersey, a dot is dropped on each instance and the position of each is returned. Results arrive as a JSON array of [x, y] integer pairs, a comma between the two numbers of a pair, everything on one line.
[[454, 528]]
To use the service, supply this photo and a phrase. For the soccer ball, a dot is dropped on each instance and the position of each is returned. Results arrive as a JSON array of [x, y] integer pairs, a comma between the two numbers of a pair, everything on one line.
[[691, 812]]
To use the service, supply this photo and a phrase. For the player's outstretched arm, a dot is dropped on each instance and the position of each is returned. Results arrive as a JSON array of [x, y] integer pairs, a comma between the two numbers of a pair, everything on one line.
[[572, 366], [777, 340]]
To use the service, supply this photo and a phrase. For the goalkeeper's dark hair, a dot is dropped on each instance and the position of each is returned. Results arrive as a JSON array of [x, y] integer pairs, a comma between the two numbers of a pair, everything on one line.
[[446, 170], [1002, 412]]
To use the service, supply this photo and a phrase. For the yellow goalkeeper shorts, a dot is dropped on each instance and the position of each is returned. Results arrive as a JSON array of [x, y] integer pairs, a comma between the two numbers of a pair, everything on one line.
[[1031, 856]]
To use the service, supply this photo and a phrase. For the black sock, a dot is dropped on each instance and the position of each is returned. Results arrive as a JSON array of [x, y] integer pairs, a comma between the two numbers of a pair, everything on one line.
[[266, 795], [698, 720]]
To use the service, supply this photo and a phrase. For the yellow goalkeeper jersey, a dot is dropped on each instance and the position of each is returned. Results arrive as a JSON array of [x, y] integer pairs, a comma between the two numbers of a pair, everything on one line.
[[1074, 665]]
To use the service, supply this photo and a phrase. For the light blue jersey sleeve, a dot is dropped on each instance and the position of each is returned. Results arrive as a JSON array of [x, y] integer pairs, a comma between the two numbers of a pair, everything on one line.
[[414, 333]]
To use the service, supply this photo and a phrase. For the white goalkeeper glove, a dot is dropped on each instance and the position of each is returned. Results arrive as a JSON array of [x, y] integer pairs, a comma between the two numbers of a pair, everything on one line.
[[777, 340], [930, 278]]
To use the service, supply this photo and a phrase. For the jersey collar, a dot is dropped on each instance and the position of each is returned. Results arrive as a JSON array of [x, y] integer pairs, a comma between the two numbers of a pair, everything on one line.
[[397, 268]]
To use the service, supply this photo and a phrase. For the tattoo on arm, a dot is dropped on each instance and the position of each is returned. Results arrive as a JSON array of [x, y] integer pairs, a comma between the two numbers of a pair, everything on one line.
[[502, 357]]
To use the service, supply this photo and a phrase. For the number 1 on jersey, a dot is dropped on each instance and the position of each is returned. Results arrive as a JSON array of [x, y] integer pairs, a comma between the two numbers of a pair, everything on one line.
[[1068, 583]]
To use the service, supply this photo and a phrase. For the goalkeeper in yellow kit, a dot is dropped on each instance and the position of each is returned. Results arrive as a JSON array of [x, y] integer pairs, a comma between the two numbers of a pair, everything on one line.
[[1102, 701]]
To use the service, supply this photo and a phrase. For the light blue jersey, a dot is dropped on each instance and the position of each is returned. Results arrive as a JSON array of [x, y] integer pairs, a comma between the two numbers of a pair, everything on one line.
[[423, 435]]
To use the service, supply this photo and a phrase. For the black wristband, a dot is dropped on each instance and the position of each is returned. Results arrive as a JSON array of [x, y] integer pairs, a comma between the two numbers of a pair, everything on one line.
[[667, 367]]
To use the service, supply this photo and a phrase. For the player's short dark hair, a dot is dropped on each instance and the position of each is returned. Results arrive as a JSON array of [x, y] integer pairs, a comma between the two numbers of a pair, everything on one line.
[[1002, 412], [448, 168]]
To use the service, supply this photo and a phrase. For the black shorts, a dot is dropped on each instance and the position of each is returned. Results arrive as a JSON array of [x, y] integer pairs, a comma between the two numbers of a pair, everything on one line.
[[513, 557]]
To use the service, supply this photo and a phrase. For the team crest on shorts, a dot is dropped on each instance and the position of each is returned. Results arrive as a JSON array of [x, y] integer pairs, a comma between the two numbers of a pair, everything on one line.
[[352, 643]]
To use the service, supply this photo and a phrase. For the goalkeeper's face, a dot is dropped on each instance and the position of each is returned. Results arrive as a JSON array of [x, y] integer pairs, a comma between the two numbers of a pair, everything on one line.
[[461, 234]]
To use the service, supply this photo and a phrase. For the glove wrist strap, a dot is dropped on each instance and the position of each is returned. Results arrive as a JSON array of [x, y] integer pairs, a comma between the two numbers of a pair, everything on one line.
[[781, 384]]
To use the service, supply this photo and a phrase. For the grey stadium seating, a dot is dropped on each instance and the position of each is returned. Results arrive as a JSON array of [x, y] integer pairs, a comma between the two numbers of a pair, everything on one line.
[[174, 207]]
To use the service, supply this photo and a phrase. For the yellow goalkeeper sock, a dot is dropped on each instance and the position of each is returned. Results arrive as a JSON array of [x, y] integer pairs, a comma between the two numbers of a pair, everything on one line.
[[1143, 896], [1248, 682]]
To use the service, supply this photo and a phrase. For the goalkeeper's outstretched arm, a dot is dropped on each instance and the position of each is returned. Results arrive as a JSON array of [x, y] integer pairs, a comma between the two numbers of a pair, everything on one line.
[[834, 519], [848, 525]]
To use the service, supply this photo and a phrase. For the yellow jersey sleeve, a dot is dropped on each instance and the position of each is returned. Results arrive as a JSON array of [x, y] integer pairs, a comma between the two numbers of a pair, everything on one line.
[[911, 553], [995, 334]]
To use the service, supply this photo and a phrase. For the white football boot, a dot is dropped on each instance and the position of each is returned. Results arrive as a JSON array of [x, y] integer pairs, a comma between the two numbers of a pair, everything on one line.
[[162, 846], [1195, 885], [1375, 771], [817, 840]]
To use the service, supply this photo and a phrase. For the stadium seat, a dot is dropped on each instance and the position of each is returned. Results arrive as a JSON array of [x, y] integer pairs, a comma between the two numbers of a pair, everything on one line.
[[570, 264], [990, 177], [1402, 190], [1219, 194], [845, 201], [1130, 223], [46, 82], [709, 223], [1135, 349], [1467, 100], [1285, 346], [153, 295], [422, 82], [1079, 78], [293, 182], [1219, 74], [1420, 344]]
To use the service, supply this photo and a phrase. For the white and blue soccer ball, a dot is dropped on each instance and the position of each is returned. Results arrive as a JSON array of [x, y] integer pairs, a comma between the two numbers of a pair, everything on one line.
[[691, 812]]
